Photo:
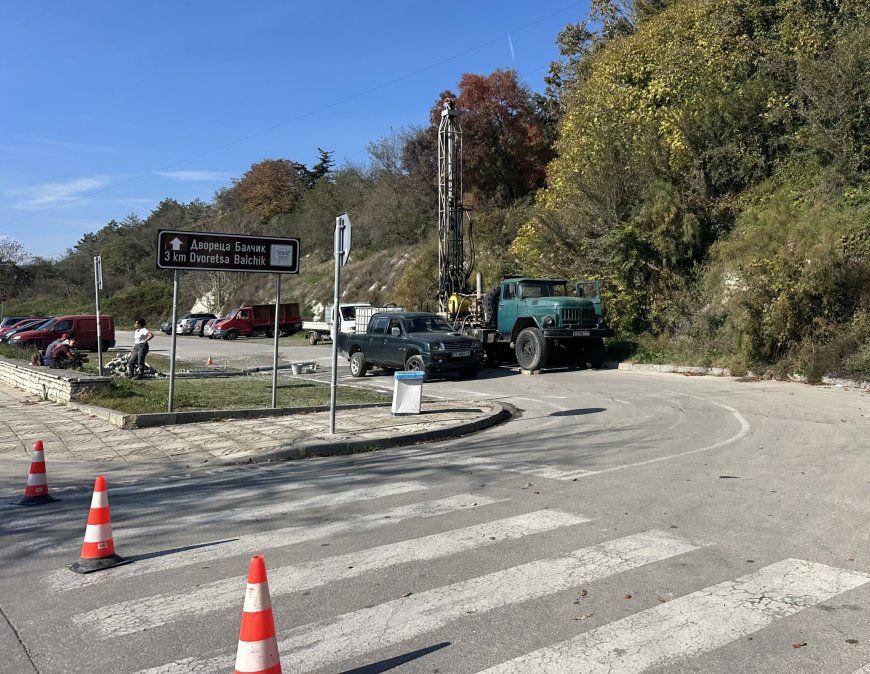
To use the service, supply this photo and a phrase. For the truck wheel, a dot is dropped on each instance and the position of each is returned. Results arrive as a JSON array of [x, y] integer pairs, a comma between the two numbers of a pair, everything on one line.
[[270, 332], [313, 338], [233, 334], [532, 349], [416, 364], [358, 364]]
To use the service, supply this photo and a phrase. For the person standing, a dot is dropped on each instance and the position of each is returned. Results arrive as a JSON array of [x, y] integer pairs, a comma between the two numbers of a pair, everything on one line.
[[141, 337]]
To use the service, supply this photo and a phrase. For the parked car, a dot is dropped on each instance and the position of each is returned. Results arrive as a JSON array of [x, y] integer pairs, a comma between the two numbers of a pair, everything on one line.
[[208, 328], [186, 322], [166, 326], [27, 324], [12, 320], [199, 325], [84, 327]]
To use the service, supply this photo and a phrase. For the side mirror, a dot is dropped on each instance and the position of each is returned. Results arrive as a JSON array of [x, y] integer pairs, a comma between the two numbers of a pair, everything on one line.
[[395, 331]]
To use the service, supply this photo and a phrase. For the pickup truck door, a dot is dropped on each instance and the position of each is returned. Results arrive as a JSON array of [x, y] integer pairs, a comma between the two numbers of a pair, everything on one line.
[[375, 337], [392, 348]]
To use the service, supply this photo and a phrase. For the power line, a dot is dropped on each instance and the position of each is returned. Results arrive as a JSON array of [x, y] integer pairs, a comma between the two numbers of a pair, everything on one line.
[[297, 118]]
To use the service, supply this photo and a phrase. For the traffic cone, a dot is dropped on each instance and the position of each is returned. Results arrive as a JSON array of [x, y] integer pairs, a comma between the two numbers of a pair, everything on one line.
[[258, 648], [209, 361], [98, 550], [36, 491]]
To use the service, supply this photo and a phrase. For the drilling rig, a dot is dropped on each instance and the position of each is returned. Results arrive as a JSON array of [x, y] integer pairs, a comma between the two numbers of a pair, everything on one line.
[[454, 228], [536, 321]]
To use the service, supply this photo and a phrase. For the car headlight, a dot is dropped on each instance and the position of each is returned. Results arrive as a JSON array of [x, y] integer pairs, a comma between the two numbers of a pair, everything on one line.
[[549, 321]]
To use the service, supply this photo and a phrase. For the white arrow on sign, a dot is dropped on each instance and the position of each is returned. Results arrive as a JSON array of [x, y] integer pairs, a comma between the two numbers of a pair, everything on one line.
[[342, 238], [175, 243]]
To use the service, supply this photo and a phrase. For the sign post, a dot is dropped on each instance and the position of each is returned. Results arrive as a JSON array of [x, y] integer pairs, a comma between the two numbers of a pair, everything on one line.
[[342, 252], [211, 251], [98, 286], [3, 299]]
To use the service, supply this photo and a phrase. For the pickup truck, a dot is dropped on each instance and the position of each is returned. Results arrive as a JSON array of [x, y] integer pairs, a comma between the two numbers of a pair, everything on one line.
[[404, 340]]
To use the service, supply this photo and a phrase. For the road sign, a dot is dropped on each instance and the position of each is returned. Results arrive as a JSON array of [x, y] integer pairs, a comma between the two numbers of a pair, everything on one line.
[[342, 238], [3, 297], [209, 251]]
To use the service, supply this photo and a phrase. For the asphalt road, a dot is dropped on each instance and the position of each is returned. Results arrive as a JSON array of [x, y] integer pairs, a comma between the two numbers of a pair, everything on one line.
[[620, 523]]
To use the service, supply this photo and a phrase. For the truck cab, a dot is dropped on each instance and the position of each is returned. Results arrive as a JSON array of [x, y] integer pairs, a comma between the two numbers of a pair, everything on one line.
[[544, 320]]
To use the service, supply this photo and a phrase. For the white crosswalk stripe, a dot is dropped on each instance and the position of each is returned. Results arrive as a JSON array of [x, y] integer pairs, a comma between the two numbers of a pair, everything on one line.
[[141, 614], [691, 624], [63, 579], [312, 646]]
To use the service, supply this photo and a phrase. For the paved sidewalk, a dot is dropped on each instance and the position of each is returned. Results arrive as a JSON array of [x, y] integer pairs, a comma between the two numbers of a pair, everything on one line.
[[71, 435]]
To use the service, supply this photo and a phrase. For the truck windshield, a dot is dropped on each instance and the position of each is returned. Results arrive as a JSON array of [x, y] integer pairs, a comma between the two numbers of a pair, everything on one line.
[[230, 316], [531, 289], [429, 324]]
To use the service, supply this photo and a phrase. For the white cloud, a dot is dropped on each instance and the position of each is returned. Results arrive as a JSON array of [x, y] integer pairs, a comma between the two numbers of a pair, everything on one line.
[[65, 145], [195, 176], [50, 195]]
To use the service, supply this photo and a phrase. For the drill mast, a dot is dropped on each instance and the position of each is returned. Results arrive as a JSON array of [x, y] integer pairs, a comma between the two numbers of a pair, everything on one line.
[[453, 271]]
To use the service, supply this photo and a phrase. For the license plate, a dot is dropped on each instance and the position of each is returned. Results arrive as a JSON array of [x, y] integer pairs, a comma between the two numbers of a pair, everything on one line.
[[461, 354], [581, 333]]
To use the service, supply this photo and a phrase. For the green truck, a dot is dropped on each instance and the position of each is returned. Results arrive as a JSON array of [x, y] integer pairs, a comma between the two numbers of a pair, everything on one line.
[[541, 322]]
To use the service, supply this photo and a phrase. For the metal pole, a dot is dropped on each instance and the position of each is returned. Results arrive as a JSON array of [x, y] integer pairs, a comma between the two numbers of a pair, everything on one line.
[[336, 331], [277, 333], [174, 337], [98, 283]]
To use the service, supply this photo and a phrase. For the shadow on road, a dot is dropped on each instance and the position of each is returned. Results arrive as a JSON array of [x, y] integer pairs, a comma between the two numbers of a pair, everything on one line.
[[578, 412], [399, 660]]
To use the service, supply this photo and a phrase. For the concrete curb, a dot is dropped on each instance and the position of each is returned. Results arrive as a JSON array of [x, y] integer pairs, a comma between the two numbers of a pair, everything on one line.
[[675, 369], [500, 412], [131, 421]]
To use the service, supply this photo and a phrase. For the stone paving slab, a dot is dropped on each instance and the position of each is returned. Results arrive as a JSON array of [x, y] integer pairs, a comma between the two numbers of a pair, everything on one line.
[[73, 435]]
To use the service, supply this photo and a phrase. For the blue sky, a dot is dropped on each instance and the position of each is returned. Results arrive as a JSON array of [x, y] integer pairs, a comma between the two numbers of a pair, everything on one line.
[[110, 107]]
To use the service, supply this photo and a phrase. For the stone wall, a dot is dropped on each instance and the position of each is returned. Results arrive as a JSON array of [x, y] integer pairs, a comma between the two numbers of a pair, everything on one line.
[[61, 386]]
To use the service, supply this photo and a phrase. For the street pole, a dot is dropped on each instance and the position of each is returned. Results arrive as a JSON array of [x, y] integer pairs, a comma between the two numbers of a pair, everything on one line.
[[336, 331], [174, 337], [98, 286], [277, 334]]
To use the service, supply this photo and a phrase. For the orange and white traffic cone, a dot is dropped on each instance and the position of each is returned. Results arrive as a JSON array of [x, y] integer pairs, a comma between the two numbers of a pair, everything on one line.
[[209, 361], [36, 491], [258, 648], [98, 550]]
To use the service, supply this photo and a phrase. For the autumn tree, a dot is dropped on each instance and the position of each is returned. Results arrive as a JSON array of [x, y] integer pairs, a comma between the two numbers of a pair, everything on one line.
[[272, 187]]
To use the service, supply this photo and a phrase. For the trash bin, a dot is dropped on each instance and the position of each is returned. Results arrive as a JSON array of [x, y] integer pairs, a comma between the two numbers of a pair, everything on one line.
[[407, 392]]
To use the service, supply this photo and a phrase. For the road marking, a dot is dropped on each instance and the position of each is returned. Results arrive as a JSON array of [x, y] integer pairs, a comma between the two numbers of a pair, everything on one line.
[[138, 615], [692, 624], [743, 432], [334, 640], [63, 579]]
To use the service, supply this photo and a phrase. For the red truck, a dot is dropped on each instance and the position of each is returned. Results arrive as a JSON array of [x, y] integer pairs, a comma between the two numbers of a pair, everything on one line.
[[259, 319]]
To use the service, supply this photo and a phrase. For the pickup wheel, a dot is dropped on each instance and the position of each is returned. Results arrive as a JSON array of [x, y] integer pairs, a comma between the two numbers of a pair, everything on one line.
[[416, 364], [233, 334], [532, 349], [358, 364], [313, 338]]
